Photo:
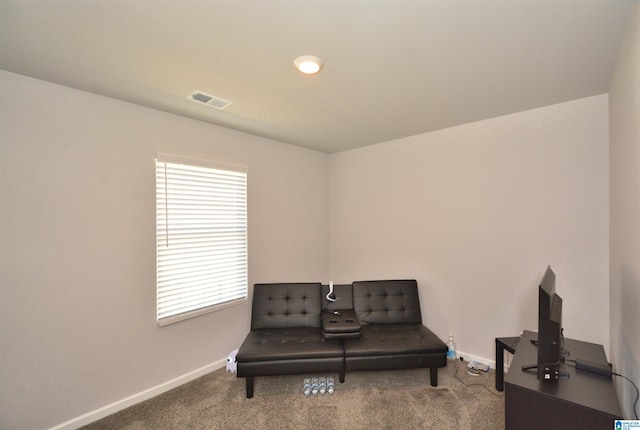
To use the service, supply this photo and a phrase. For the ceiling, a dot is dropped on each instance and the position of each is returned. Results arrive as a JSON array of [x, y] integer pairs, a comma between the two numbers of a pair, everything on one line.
[[392, 68]]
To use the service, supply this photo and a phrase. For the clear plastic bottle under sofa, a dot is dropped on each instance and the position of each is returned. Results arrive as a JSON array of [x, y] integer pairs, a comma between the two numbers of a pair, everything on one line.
[[330, 385], [306, 387], [322, 385], [451, 348]]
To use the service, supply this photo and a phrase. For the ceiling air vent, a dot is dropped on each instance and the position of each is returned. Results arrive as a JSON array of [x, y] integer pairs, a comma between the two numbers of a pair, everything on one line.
[[210, 100]]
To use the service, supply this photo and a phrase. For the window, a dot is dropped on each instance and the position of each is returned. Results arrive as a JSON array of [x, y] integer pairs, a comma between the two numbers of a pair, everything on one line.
[[201, 237]]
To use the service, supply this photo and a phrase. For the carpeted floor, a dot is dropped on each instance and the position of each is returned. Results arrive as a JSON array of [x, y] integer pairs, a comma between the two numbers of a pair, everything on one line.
[[398, 399]]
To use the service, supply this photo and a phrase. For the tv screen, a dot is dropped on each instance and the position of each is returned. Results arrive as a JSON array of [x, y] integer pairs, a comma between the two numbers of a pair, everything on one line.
[[549, 328]]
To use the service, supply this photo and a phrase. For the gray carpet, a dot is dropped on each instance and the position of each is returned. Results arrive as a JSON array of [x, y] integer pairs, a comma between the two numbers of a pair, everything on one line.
[[399, 399]]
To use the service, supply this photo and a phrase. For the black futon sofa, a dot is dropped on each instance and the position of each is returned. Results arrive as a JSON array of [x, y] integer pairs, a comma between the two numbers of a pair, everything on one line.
[[288, 335]]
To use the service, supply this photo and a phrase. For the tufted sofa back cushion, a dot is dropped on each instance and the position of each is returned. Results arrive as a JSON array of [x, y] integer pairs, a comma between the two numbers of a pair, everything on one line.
[[286, 305], [387, 302]]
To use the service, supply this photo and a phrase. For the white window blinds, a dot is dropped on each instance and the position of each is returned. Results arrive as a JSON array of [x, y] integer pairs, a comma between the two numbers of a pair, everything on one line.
[[201, 237]]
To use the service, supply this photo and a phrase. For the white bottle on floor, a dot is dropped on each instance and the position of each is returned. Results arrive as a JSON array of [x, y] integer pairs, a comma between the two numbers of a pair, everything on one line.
[[451, 352]]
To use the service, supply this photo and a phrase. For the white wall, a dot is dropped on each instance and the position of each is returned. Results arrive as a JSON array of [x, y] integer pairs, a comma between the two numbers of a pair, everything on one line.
[[475, 213], [77, 249], [624, 100]]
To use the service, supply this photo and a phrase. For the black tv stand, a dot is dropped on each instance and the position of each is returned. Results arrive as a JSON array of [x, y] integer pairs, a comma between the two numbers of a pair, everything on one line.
[[584, 401]]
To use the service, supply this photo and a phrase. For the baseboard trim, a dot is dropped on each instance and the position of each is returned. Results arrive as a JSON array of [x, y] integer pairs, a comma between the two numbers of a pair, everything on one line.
[[139, 397]]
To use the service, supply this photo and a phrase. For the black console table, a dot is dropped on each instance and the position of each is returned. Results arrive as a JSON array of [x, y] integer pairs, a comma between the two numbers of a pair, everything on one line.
[[581, 401]]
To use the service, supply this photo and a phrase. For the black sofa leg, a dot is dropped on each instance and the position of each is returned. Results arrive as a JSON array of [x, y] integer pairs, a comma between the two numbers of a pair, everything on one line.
[[342, 376], [249, 386], [434, 376]]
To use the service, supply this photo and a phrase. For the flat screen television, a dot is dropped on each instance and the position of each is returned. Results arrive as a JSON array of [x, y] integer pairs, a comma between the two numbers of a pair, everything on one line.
[[549, 328]]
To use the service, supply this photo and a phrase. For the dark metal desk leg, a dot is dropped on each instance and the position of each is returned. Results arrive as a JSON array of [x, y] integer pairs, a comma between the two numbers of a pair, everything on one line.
[[499, 366]]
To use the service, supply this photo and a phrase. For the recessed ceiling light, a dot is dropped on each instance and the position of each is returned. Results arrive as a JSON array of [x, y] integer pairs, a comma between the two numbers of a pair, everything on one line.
[[308, 64]]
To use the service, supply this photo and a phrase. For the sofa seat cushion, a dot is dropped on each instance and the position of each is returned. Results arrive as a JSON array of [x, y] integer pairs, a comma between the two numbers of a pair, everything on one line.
[[394, 339], [287, 344]]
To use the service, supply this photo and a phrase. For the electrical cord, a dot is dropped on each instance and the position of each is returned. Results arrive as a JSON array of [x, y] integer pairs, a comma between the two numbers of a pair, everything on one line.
[[330, 295], [455, 374], [635, 404]]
